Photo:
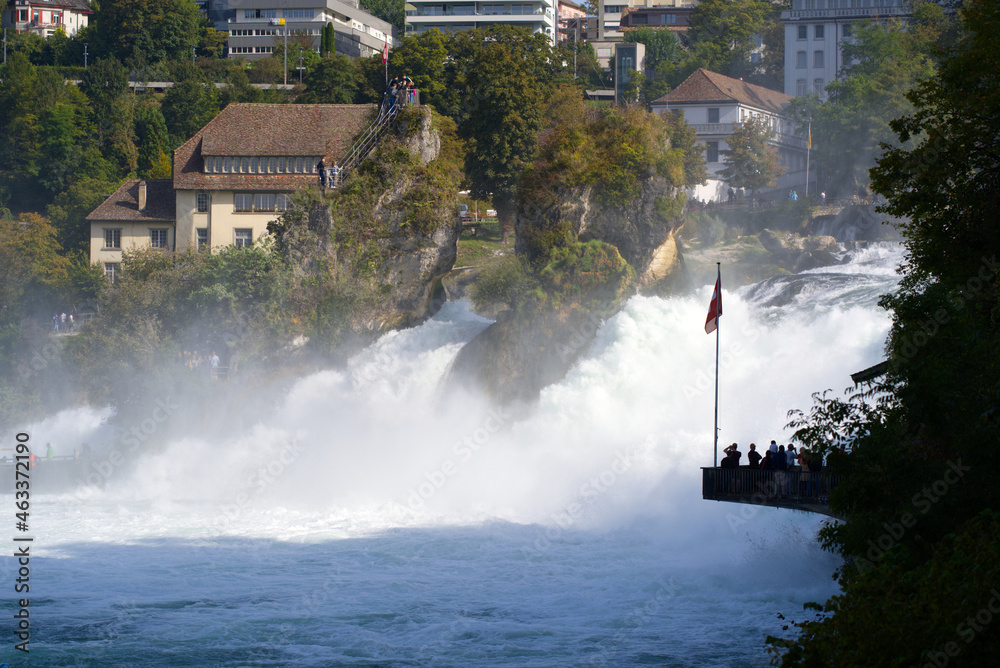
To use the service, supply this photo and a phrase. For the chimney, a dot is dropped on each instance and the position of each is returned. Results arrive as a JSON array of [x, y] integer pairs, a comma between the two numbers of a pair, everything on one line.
[[142, 195]]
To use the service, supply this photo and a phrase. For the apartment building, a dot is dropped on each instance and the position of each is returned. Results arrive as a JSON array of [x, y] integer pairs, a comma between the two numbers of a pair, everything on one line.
[[815, 31], [449, 15]]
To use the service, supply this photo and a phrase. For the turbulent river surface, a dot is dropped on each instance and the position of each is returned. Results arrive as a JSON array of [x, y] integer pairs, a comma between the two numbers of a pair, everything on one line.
[[371, 519]]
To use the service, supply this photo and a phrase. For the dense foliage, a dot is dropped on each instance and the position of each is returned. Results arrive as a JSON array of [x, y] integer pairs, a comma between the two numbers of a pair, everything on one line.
[[919, 493]]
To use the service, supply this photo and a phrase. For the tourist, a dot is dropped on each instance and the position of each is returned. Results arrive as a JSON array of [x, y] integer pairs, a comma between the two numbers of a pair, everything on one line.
[[335, 175], [753, 457], [804, 457], [48, 451], [780, 463], [55, 323], [321, 168], [767, 464]]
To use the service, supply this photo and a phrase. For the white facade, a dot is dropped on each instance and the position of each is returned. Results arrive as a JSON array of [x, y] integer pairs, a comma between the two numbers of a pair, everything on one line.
[[258, 25], [449, 15], [814, 33], [714, 115]]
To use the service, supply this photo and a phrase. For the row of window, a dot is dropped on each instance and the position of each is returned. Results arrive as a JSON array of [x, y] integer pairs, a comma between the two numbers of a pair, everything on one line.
[[819, 31], [802, 87], [113, 238], [253, 32], [244, 202], [249, 202], [282, 165], [36, 16], [273, 13], [802, 59], [242, 238], [251, 49]]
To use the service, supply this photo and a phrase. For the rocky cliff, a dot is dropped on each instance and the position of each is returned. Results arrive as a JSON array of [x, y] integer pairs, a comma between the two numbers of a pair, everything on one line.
[[376, 248]]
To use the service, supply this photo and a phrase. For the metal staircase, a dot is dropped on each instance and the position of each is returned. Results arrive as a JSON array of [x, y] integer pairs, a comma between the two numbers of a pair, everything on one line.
[[363, 146]]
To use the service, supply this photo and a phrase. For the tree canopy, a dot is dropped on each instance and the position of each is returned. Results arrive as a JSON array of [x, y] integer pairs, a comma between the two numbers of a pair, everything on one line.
[[922, 534]]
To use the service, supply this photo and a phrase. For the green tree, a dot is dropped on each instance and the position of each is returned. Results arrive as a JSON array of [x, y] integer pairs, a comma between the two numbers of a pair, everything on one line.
[[70, 208], [751, 161], [390, 11], [421, 57], [334, 80], [887, 61], [724, 34], [211, 42], [20, 136], [105, 83], [503, 121], [151, 133], [189, 105], [922, 561], [160, 29]]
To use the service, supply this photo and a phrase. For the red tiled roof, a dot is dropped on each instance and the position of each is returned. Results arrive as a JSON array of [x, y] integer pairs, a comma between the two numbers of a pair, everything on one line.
[[245, 129], [704, 86], [123, 205]]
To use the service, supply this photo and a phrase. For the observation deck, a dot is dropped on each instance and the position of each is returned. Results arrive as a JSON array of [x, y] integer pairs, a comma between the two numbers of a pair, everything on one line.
[[778, 489]]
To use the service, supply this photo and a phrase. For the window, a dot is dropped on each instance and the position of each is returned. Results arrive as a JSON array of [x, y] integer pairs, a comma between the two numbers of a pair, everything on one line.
[[491, 9], [272, 165], [818, 86], [847, 30], [281, 165], [800, 87], [202, 233], [281, 202], [298, 165], [819, 32], [202, 202], [818, 59], [521, 9], [227, 166], [253, 165], [712, 152], [242, 202], [244, 237], [158, 238], [263, 202], [713, 115], [244, 165], [800, 59], [112, 238], [298, 13], [111, 270], [803, 32]]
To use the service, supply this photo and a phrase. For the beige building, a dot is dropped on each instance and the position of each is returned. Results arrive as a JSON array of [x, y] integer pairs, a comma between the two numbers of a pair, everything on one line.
[[231, 179], [45, 17]]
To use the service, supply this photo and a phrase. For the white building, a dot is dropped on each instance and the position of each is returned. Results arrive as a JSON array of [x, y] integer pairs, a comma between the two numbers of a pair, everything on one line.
[[46, 16], [448, 15], [715, 105], [815, 31], [258, 25]]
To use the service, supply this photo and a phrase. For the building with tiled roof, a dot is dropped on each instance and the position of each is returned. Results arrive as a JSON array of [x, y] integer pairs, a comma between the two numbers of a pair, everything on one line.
[[231, 179], [714, 105], [44, 17], [139, 213]]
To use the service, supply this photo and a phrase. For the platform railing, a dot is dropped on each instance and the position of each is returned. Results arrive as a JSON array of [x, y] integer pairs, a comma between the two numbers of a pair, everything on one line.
[[807, 490]]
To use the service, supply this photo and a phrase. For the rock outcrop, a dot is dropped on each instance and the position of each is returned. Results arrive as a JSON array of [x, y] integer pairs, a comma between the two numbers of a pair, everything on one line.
[[798, 253], [379, 246]]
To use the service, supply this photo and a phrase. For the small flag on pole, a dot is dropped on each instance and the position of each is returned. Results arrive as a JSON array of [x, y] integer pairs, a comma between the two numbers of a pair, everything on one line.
[[715, 308], [385, 52], [809, 141]]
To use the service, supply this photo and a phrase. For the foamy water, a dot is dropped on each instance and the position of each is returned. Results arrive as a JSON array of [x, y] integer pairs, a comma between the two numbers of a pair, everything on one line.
[[375, 519]]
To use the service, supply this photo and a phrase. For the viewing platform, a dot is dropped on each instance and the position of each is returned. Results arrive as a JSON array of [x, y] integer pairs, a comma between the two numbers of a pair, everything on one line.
[[795, 490]]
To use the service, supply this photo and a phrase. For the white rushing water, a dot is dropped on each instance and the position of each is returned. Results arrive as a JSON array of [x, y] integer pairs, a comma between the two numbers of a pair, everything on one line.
[[373, 519]]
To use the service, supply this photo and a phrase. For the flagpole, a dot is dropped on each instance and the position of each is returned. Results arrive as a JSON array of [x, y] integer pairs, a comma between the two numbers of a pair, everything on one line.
[[718, 302]]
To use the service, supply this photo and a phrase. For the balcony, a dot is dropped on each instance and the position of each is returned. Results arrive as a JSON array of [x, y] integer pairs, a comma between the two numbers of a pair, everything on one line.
[[777, 489], [844, 14]]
